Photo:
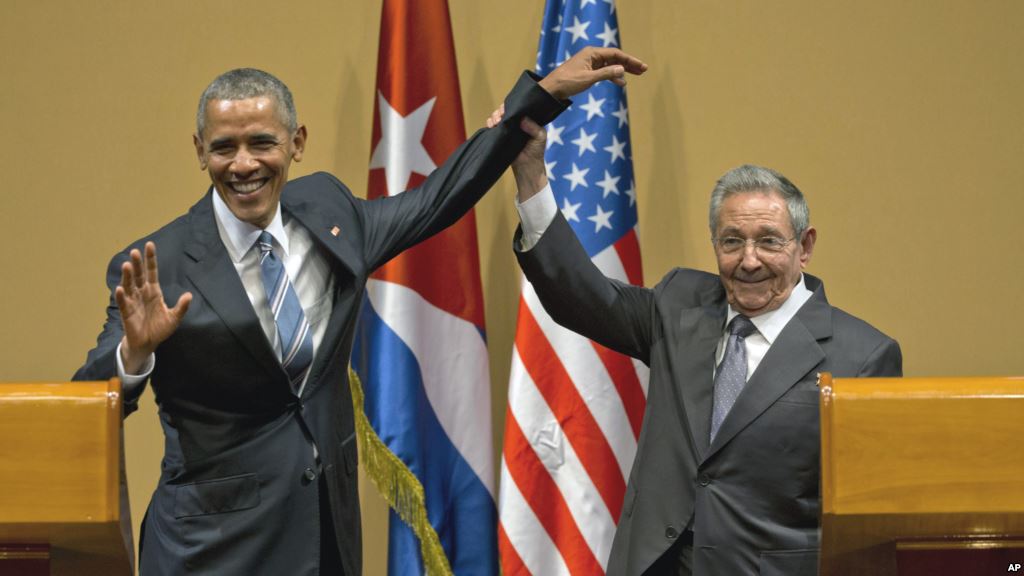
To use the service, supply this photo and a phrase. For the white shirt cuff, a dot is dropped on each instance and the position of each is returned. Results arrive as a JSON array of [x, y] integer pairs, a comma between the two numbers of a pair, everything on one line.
[[536, 214], [131, 384]]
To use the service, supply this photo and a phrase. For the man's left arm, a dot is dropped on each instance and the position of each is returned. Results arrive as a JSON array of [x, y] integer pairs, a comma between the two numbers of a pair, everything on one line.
[[138, 319], [395, 223]]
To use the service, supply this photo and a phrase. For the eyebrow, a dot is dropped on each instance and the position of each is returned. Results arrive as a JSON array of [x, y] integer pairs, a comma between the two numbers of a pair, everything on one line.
[[761, 232], [220, 142], [263, 137]]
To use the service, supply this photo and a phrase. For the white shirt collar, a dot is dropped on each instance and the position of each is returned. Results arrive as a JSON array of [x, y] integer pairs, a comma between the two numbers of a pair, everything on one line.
[[239, 236], [770, 324]]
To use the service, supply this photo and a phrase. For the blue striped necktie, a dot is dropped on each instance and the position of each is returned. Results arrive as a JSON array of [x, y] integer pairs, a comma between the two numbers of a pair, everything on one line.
[[294, 335], [731, 375]]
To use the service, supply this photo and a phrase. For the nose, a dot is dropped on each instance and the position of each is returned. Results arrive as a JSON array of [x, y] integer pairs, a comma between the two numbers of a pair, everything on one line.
[[244, 163], [751, 261]]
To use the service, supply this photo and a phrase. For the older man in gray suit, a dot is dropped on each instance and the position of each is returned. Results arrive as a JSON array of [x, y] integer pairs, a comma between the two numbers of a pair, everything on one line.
[[726, 476]]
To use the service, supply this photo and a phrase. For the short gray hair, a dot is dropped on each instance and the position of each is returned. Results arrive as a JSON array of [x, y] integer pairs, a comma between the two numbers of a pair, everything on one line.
[[242, 83], [750, 178]]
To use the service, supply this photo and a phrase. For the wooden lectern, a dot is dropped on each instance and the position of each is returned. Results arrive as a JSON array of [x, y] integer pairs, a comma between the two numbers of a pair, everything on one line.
[[922, 476], [60, 470]]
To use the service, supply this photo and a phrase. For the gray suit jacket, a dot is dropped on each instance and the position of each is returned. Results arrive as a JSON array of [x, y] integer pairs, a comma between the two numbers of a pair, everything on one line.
[[238, 493], [752, 496]]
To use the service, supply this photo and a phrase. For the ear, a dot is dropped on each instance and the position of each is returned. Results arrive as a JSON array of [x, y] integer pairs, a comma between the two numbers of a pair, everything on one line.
[[807, 245], [299, 143], [200, 151]]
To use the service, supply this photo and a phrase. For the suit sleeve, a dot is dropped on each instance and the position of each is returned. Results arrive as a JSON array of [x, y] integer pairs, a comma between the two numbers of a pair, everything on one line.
[[395, 223], [579, 297], [101, 363]]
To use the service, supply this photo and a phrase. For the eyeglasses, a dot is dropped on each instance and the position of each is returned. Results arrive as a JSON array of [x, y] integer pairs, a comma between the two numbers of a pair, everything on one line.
[[763, 245]]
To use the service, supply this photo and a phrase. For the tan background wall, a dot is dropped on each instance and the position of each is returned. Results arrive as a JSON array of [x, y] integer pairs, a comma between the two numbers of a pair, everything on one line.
[[901, 121]]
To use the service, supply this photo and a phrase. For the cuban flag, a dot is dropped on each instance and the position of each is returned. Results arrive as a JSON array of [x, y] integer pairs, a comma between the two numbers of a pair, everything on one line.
[[575, 408], [420, 348]]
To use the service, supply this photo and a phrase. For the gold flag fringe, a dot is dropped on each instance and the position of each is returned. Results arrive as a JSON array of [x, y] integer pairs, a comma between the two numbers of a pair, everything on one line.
[[397, 484]]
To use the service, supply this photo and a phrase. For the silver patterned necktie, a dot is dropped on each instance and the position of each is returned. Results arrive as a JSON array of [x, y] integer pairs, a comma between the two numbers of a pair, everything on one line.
[[731, 374], [294, 335]]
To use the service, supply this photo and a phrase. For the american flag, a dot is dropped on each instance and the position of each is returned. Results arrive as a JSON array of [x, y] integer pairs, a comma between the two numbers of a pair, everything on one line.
[[575, 407]]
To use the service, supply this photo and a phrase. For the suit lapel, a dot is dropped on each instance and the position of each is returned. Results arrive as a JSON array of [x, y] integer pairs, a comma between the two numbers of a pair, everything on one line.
[[700, 329], [793, 354], [327, 231], [215, 278]]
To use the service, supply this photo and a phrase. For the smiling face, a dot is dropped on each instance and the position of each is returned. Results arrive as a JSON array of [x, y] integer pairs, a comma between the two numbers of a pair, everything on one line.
[[756, 281], [247, 149]]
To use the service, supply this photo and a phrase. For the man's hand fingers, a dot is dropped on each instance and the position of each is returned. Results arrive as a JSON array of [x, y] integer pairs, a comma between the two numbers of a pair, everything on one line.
[[615, 73], [588, 67], [181, 307], [604, 57], [127, 281], [495, 118], [137, 277], [631, 64], [151, 269], [533, 129], [121, 299]]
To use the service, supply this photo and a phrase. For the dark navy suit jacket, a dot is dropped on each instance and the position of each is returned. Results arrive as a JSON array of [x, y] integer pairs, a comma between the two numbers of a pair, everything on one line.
[[238, 493]]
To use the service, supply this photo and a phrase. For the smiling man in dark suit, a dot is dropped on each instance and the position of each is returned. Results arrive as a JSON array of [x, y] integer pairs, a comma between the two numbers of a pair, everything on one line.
[[726, 476], [245, 327]]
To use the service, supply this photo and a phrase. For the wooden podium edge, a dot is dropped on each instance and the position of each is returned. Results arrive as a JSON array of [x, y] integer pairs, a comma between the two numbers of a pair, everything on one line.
[[825, 423], [114, 446]]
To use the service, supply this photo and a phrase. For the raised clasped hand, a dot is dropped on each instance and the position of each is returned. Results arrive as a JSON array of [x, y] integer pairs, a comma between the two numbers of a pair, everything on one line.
[[584, 69]]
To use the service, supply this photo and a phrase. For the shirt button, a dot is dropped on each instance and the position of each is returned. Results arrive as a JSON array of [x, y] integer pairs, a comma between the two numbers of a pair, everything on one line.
[[704, 480], [671, 533], [309, 474]]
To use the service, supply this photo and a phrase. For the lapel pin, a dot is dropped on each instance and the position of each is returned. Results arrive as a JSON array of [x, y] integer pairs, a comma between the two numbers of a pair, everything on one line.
[[335, 231]]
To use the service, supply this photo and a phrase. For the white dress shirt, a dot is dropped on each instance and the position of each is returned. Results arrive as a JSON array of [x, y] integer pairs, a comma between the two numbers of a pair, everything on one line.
[[769, 325], [307, 268], [537, 213]]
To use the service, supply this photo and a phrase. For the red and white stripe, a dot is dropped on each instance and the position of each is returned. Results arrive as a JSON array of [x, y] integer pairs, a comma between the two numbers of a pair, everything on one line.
[[571, 429]]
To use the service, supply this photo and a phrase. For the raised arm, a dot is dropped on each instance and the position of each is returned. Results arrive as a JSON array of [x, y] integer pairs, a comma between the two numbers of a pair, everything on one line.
[[586, 68], [397, 222], [571, 288], [145, 317]]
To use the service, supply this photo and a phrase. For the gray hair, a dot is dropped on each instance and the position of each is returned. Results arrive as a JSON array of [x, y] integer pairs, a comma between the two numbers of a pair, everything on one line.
[[750, 178], [242, 83]]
